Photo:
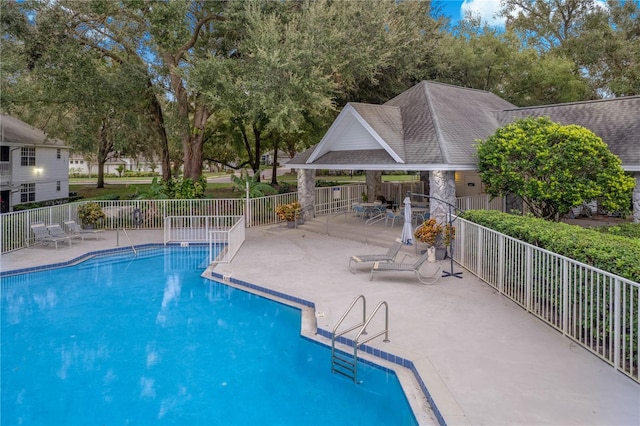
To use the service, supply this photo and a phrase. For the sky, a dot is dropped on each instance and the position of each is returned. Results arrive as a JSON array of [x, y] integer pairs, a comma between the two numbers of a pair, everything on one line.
[[455, 9]]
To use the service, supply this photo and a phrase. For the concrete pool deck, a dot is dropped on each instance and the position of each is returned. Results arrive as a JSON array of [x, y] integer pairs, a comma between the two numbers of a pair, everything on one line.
[[483, 359]]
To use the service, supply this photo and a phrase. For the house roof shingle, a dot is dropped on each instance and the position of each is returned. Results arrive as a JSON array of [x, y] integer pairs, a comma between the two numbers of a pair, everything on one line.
[[13, 130]]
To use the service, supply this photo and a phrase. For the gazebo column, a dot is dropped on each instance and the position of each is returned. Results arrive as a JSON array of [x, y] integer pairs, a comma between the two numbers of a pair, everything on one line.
[[442, 185], [307, 193], [636, 199], [374, 184]]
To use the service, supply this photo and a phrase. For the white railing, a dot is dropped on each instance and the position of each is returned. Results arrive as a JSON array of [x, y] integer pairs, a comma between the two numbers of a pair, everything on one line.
[[599, 310], [480, 202], [330, 200], [16, 234], [230, 240], [224, 234]]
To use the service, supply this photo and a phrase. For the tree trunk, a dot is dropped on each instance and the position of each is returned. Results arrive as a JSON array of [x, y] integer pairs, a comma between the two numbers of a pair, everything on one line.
[[103, 152], [158, 119], [274, 168], [191, 141]]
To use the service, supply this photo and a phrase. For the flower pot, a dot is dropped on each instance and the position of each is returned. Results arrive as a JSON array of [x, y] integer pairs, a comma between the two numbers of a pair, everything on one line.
[[291, 224]]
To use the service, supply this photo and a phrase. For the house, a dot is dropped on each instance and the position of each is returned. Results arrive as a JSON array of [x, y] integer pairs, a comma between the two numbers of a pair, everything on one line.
[[433, 127], [79, 164], [33, 166]]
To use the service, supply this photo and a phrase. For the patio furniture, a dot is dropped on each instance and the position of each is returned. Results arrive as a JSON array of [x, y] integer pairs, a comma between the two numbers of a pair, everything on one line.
[[75, 229], [389, 256], [56, 231], [420, 215], [358, 210], [42, 235], [408, 267], [392, 216]]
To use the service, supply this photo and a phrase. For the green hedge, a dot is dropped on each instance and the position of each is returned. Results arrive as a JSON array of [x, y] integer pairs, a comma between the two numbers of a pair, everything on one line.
[[616, 251]]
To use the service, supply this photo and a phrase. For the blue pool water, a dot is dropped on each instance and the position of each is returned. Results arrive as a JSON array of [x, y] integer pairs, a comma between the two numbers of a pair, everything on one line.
[[115, 340]]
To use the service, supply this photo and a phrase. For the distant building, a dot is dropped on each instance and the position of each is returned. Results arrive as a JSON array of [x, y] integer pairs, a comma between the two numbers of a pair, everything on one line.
[[33, 166], [79, 164]]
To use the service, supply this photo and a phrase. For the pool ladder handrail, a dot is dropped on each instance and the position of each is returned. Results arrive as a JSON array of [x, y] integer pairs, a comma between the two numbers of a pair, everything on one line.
[[349, 366], [135, 252]]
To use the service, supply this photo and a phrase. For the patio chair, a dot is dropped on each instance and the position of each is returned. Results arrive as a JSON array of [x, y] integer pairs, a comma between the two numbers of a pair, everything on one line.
[[75, 229], [56, 231], [389, 256], [392, 216], [358, 210], [44, 237], [407, 267]]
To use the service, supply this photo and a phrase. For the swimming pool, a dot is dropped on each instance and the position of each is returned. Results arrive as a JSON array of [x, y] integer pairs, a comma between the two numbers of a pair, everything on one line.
[[118, 340]]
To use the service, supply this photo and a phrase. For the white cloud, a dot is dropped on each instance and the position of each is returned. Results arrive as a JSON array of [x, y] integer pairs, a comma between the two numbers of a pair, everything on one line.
[[486, 9]]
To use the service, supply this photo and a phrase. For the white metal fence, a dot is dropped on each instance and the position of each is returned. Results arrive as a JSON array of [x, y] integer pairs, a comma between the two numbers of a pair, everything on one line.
[[599, 310], [15, 232], [224, 232]]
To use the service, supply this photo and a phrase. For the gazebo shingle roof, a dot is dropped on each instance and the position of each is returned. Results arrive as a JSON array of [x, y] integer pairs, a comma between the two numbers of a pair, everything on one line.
[[435, 126], [615, 121]]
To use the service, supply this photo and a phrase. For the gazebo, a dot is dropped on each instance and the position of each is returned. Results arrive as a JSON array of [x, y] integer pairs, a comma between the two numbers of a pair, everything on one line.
[[432, 128]]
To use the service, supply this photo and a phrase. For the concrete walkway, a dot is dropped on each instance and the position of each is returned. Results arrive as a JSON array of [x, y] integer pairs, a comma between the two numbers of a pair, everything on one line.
[[484, 360]]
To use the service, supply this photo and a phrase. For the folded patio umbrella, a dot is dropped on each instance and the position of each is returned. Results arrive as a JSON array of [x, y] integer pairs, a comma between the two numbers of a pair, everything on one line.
[[407, 232]]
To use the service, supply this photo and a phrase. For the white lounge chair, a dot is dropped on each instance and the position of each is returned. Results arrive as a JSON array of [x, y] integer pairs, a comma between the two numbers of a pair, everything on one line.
[[56, 231], [408, 267], [75, 229], [389, 256], [42, 235]]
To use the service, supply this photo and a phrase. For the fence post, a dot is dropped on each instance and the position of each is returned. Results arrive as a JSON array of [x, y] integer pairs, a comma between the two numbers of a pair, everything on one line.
[[528, 277], [565, 297], [617, 324], [247, 208]]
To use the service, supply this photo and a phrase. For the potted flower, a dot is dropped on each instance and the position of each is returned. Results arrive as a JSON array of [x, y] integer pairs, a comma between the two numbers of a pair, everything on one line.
[[90, 214], [289, 212], [431, 233]]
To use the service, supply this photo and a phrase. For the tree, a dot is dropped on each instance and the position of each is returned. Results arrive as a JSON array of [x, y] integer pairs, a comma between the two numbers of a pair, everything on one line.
[[482, 57], [296, 61], [602, 41], [553, 168]]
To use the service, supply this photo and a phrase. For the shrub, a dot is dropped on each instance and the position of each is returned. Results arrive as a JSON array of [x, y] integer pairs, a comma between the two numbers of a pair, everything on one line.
[[616, 254]]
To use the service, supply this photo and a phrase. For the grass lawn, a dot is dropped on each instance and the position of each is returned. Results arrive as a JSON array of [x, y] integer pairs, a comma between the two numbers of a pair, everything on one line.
[[131, 187]]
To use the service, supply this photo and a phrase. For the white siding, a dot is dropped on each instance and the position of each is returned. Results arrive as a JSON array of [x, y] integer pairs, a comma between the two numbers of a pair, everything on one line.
[[47, 171]]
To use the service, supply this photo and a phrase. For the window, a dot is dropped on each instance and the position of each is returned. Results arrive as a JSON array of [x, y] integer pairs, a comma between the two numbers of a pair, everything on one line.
[[58, 153], [27, 156], [58, 186], [4, 153], [28, 192]]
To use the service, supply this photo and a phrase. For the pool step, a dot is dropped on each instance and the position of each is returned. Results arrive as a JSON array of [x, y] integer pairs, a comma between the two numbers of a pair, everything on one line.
[[344, 364]]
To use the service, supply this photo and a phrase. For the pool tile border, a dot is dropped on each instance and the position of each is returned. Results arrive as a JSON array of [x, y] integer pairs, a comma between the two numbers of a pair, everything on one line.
[[86, 256], [377, 353]]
